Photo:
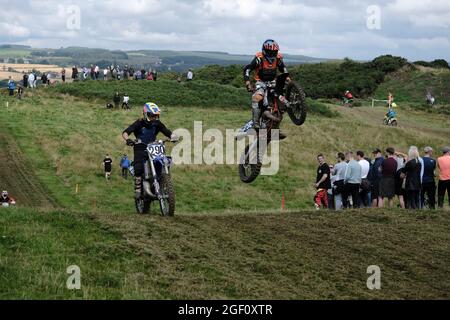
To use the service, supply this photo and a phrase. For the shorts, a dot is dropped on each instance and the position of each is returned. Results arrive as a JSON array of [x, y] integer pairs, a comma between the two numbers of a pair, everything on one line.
[[387, 187], [375, 190]]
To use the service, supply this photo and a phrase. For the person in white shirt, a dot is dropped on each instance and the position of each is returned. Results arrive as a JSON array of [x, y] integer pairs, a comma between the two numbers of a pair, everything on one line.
[[105, 74], [190, 75], [365, 184], [338, 177], [32, 81]]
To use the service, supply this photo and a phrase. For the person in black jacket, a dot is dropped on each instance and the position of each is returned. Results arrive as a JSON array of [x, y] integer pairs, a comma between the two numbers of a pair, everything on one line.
[[146, 131], [413, 181]]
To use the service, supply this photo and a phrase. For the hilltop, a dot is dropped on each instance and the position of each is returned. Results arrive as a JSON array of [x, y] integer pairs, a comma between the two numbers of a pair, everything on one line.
[[163, 60]]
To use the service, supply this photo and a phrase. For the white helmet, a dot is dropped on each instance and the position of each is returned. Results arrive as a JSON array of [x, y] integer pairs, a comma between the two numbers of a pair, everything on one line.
[[4, 194]]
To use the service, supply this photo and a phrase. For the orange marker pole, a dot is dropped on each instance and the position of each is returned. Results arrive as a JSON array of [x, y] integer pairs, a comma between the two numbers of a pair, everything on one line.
[[283, 203]]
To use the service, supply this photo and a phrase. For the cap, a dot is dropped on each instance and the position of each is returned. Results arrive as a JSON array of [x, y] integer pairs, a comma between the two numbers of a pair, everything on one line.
[[446, 150]]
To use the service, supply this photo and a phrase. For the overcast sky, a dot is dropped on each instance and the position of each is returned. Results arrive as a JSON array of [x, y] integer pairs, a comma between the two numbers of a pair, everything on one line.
[[416, 29]]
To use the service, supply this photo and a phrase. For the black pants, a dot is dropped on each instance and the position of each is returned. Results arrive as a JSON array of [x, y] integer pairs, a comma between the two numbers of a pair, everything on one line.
[[351, 189], [429, 189], [413, 199], [125, 173], [140, 156], [443, 187]]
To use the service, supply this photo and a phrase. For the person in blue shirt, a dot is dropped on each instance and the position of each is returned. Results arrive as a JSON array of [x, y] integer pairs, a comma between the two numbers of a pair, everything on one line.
[[11, 87], [125, 164], [428, 179]]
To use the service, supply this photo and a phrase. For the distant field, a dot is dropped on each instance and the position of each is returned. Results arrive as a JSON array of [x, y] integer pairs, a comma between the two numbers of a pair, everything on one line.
[[26, 68]]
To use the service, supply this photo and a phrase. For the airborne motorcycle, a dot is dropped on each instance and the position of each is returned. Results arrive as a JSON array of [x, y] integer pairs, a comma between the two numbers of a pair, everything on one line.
[[280, 97], [157, 182]]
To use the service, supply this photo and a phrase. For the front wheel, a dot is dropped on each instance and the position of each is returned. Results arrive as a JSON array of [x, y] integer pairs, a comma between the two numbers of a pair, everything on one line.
[[298, 108], [167, 199], [249, 171]]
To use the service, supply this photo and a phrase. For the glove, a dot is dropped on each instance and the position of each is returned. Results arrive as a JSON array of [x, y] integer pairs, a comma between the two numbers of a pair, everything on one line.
[[130, 143], [174, 138]]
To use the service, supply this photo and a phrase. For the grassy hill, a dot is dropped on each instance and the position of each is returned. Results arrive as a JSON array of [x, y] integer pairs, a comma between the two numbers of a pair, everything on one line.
[[229, 240], [411, 86]]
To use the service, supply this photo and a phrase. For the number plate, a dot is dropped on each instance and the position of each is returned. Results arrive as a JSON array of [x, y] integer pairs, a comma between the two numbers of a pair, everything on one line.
[[155, 150]]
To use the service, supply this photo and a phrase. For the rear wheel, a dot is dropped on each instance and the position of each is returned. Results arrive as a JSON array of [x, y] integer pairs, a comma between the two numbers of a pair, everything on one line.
[[298, 108], [248, 172], [394, 123]]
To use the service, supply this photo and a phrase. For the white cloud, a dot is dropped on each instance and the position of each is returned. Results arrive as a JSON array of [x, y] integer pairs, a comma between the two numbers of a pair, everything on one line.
[[322, 28]]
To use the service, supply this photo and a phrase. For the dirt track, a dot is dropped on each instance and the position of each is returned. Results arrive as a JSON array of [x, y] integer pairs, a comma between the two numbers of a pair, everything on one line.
[[15, 176]]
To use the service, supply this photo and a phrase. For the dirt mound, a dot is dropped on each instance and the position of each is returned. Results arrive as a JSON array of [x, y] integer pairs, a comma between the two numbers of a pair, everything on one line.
[[17, 177]]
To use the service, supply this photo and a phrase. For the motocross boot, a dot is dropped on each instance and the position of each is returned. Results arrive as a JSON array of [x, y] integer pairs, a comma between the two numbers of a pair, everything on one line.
[[137, 187], [256, 115], [282, 135]]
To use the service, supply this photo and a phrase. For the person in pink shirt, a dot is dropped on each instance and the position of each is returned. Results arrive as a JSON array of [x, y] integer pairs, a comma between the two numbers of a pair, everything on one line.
[[444, 177]]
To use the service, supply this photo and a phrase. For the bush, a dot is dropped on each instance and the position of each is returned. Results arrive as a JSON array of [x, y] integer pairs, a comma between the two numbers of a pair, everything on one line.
[[436, 64]]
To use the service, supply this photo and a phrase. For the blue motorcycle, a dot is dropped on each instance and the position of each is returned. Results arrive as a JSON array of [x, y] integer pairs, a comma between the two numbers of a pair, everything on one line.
[[157, 182]]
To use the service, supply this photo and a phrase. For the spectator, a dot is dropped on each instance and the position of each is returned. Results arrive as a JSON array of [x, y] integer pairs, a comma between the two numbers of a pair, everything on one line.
[[413, 183], [331, 201], [365, 183], [150, 76], [85, 73], [375, 176], [107, 165], [74, 73], [444, 177], [400, 176], [32, 80], [97, 72], [155, 76], [323, 183], [25, 81], [11, 86], [126, 72], [105, 74], [116, 99], [179, 79], [92, 71], [125, 103], [352, 181], [339, 181], [63, 75], [125, 164], [190, 75], [44, 79], [388, 170], [428, 181]]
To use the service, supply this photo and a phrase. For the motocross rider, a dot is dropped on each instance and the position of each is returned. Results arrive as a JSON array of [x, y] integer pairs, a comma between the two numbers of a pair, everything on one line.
[[265, 65], [145, 130]]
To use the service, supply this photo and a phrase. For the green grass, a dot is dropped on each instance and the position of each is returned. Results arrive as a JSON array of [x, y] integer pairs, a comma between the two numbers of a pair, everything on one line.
[[66, 139], [306, 255]]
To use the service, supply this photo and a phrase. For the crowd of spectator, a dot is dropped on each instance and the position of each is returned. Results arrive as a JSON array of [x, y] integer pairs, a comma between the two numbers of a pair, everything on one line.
[[113, 72], [357, 181]]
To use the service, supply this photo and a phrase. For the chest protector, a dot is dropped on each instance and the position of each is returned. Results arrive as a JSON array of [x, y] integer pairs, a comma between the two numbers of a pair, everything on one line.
[[266, 71]]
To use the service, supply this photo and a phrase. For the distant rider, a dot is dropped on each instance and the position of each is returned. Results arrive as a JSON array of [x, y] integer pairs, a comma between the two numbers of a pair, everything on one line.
[[348, 97], [146, 131], [265, 64]]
